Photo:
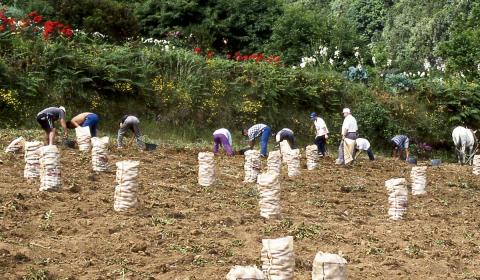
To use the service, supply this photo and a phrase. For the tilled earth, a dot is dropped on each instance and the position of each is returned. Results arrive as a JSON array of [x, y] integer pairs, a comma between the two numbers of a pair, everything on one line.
[[184, 231]]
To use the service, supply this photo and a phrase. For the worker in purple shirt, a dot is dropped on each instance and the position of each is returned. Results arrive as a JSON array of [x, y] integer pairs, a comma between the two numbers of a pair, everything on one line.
[[261, 131], [222, 137]]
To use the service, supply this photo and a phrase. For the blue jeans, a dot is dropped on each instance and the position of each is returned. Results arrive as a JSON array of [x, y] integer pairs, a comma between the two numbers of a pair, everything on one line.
[[91, 120], [264, 140]]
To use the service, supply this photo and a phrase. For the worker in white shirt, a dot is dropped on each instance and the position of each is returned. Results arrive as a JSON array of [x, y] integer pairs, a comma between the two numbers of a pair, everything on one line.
[[222, 137], [349, 131], [362, 144], [321, 135]]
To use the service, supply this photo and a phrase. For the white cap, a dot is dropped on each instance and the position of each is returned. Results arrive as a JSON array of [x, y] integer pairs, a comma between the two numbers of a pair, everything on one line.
[[346, 110], [62, 108]]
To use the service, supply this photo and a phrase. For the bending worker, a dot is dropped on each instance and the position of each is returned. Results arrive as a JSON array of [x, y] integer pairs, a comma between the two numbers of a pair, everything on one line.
[[128, 122], [400, 143], [261, 131], [222, 137], [362, 144], [286, 134], [47, 117], [84, 120]]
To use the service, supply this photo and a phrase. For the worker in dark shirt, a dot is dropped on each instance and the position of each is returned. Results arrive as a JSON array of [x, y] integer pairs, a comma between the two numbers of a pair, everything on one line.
[[47, 117]]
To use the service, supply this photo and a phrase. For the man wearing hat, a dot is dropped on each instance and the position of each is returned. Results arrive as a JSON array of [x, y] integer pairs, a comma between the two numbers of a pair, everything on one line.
[[46, 119], [321, 135], [349, 132]]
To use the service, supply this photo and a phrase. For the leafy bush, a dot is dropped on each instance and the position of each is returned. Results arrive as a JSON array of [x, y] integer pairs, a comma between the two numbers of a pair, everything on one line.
[[398, 83], [357, 73]]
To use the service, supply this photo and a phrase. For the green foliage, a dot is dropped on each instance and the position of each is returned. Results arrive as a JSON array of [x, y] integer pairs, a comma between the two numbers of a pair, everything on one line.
[[397, 83], [109, 17]]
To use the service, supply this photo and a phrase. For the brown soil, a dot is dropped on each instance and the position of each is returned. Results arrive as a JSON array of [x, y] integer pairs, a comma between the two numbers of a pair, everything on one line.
[[184, 231]]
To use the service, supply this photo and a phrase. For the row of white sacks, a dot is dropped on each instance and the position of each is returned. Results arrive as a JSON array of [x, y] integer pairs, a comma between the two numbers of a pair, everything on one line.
[[278, 263], [252, 166]]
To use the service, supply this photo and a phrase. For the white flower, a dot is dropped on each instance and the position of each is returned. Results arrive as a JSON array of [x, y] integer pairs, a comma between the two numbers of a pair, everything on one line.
[[356, 48], [422, 74], [374, 60], [381, 74], [357, 54], [330, 61], [323, 51], [389, 62], [294, 67], [336, 54], [303, 64], [359, 67], [427, 65], [166, 48], [344, 63]]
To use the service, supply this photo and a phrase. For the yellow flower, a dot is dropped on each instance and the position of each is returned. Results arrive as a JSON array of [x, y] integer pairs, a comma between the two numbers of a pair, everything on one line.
[[9, 98]]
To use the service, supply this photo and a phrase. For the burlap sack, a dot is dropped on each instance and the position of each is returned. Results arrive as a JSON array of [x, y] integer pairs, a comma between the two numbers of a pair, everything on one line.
[[329, 267], [397, 198], [125, 195], [311, 153], [348, 147], [83, 138], [252, 166], [476, 164], [49, 168], [100, 154], [274, 162], [32, 160], [293, 162], [418, 177], [268, 185], [245, 273], [15, 146], [206, 169], [278, 258]]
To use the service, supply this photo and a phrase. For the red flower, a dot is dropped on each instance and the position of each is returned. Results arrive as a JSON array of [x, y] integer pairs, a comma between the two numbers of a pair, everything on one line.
[[197, 50], [276, 59], [260, 57], [2, 28], [253, 56], [237, 54], [48, 27], [210, 54], [37, 19], [245, 57], [229, 56], [67, 31]]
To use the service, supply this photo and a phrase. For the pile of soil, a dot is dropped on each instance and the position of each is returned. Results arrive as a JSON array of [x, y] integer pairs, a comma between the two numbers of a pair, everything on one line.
[[184, 231]]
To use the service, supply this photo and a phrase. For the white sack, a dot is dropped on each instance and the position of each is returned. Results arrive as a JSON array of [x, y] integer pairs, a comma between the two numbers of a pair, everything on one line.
[[274, 162], [15, 146], [397, 198], [278, 258], [268, 185], [476, 164], [49, 168], [206, 169], [418, 177], [285, 149], [293, 162], [328, 266], [311, 153], [100, 154], [245, 273], [83, 138], [252, 166], [32, 160], [126, 191]]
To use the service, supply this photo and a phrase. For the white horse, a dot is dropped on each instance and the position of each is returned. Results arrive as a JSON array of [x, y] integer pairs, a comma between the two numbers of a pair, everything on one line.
[[465, 141]]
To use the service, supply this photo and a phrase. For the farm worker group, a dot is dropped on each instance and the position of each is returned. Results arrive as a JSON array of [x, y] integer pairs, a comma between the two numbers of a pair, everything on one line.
[[349, 149], [47, 118]]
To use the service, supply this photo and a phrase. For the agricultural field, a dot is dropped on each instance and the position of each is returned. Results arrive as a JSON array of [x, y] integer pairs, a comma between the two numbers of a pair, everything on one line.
[[184, 231]]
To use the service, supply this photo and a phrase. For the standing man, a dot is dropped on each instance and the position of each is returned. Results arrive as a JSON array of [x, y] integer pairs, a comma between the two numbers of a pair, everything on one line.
[[349, 132], [362, 144], [222, 137], [321, 135], [84, 120], [399, 144], [46, 119], [286, 134], [259, 130], [130, 122]]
